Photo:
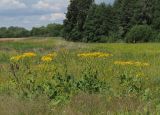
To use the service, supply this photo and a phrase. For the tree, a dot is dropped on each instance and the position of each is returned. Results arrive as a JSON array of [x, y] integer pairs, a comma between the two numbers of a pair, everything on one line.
[[71, 19], [51, 30], [99, 22], [39, 31], [126, 16], [140, 33], [75, 19], [3, 32], [133, 12], [144, 11], [54, 30], [13, 32], [156, 15]]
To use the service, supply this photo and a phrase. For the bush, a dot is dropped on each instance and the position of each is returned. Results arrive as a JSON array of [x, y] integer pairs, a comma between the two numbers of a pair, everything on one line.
[[140, 33], [131, 85], [91, 84]]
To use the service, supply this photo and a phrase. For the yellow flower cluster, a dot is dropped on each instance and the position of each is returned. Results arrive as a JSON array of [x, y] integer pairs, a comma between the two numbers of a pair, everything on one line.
[[131, 63], [49, 57], [24, 55], [16, 58], [95, 54], [29, 54]]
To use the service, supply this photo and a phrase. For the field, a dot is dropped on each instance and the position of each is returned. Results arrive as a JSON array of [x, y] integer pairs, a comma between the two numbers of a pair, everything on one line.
[[53, 76]]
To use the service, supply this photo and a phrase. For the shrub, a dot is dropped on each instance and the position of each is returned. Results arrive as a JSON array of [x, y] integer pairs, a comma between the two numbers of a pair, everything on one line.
[[91, 84], [140, 33], [131, 85]]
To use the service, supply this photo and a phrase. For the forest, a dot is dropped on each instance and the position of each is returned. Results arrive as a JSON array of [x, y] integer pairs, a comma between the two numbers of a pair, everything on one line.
[[125, 20]]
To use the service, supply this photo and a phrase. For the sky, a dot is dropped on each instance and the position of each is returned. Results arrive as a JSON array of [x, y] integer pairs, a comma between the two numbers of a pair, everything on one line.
[[33, 13]]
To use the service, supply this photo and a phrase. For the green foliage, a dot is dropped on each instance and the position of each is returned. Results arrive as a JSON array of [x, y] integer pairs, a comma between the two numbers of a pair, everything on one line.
[[126, 16], [131, 85], [41, 31], [140, 33], [51, 30], [144, 11], [75, 19], [156, 15], [54, 30], [100, 21], [29, 80], [13, 32], [157, 37], [91, 84]]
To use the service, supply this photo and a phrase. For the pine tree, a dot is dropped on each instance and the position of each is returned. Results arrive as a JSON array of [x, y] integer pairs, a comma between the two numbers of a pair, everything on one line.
[[144, 12], [71, 19], [127, 15], [156, 15], [75, 19], [99, 22]]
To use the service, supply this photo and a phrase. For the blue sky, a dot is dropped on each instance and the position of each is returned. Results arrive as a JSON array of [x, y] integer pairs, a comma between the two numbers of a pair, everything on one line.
[[29, 13]]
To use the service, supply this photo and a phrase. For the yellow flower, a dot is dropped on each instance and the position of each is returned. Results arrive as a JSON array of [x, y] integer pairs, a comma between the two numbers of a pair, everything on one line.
[[49, 57], [94, 54], [139, 64], [29, 54], [21, 57], [123, 63], [46, 59], [17, 58]]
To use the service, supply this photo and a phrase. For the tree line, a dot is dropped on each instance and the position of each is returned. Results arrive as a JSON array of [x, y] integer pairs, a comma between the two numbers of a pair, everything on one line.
[[125, 20], [51, 30]]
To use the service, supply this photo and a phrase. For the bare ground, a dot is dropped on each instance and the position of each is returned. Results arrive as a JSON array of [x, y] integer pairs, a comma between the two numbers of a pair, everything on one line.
[[11, 39]]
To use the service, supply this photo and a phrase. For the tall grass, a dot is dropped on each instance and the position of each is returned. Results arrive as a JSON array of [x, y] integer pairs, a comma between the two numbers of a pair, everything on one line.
[[78, 85]]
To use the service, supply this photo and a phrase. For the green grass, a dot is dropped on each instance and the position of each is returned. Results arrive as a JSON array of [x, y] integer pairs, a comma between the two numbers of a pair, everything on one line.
[[118, 99]]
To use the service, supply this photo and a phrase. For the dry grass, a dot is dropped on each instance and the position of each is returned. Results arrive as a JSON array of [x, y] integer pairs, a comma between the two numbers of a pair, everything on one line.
[[87, 104], [14, 106], [82, 104]]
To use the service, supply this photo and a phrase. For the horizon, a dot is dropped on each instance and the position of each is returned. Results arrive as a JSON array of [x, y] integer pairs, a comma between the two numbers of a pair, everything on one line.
[[28, 14]]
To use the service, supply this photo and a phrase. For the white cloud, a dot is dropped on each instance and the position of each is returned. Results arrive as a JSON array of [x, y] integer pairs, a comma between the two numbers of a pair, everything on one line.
[[53, 17], [11, 4], [51, 4], [57, 16], [29, 13]]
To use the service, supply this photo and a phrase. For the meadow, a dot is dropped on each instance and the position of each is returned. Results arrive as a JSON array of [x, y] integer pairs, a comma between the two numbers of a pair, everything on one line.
[[51, 76]]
